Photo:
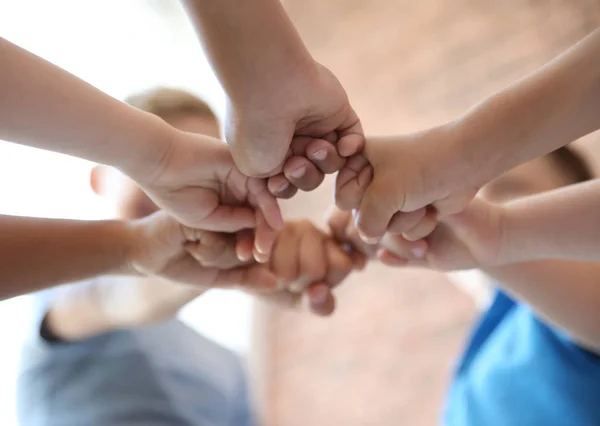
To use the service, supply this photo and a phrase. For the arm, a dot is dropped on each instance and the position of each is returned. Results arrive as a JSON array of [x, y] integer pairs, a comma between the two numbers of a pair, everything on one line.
[[550, 108], [252, 45], [554, 106], [564, 293], [46, 107], [109, 303], [39, 253], [106, 304], [563, 223], [262, 63]]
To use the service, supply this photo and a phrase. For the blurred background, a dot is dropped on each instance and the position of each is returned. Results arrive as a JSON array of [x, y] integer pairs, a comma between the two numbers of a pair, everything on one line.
[[386, 355]]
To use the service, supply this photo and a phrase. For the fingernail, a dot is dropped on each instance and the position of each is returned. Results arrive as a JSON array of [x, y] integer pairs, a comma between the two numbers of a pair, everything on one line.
[[418, 252], [283, 187], [299, 172], [319, 296], [320, 155], [368, 240]]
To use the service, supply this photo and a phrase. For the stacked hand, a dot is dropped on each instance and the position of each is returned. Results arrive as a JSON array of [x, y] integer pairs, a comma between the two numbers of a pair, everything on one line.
[[399, 187]]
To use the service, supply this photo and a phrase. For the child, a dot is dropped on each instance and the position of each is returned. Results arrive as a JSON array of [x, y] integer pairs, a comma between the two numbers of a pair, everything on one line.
[[533, 357], [445, 166], [108, 351]]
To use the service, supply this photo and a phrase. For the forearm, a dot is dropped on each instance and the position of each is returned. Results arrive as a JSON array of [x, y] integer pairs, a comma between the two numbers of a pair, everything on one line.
[[564, 293], [111, 303], [561, 224], [251, 45], [40, 253], [550, 108], [46, 107]]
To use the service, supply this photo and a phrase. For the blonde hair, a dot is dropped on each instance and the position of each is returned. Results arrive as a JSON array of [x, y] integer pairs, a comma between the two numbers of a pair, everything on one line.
[[166, 102]]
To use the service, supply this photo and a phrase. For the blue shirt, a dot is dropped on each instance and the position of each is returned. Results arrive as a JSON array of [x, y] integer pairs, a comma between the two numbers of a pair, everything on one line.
[[162, 375], [518, 371]]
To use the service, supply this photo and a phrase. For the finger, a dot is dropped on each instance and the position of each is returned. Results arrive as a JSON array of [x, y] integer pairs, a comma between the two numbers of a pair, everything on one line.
[[389, 259], [264, 238], [325, 156], [266, 203], [302, 173], [312, 258], [337, 221], [284, 258], [215, 250], [256, 278], [245, 244], [425, 227], [280, 187], [339, 263], [351, 135], [229, 219], [404, 221], [375, 213], [352, 181], [320, 299], [401, 247]]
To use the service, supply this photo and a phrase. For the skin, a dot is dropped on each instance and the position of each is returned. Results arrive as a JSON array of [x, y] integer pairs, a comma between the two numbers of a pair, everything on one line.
[[563, 293], [305, 259], [444, 167]]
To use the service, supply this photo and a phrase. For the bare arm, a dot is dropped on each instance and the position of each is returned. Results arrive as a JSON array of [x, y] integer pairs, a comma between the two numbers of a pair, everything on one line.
[[561, 224], [46, 107], [552, 107], [252, 45], [564, 293], [106, 304], [40, 253]]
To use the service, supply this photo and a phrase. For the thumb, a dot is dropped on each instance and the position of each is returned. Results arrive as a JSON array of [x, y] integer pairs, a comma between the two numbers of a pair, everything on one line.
[[258, 147], [375, 213]]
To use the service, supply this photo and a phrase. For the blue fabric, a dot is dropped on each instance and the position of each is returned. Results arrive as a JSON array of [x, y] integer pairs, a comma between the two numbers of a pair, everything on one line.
[[165, 374], [517, 371]]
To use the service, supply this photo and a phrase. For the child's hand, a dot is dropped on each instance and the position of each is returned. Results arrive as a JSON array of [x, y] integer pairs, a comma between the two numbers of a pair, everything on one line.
[[408, 173], [159, 246], [198, 183], [307, 259], [306, 262], [467, 240], [342, 228], [302, 140]]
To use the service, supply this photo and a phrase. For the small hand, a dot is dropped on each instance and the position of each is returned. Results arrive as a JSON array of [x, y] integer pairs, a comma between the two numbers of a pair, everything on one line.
[[295, 133], [467, 240], [198, 183], [404, 175]]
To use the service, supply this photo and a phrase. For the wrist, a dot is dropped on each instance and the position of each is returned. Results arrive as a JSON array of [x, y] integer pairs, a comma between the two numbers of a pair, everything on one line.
[[476, 161], [146, 151], [515, 247], [270, 87]]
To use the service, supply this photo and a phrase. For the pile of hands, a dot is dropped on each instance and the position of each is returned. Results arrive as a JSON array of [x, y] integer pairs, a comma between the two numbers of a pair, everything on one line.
[[407, 200]]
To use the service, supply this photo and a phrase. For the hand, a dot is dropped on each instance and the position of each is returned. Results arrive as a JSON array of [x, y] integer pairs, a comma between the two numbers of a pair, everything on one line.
[[306, 259], [160, 247], [341, 225], [471, 239], [198, 183], [296, 132], [405, 175]]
